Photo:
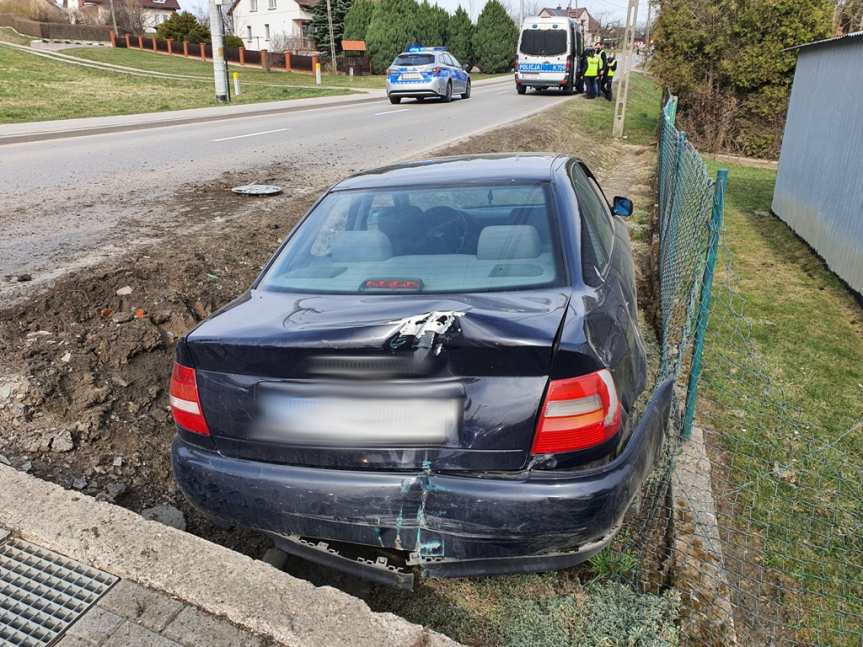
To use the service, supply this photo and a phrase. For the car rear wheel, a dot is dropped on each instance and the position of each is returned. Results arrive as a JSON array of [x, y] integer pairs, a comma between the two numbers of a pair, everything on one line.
[[521, 89], [395, 100], [448, 96], [466, 93]]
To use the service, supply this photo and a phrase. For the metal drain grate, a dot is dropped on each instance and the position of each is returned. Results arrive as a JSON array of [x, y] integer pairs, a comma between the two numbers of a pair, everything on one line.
[[42, 593]]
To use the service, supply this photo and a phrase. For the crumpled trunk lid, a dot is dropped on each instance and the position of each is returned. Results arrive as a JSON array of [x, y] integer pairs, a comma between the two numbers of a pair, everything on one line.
[[378, 381]]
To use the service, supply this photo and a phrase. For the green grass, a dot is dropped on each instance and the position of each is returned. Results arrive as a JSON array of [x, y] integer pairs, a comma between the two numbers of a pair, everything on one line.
[[9, 35], [783, 386], [642, 111], [36, 88], [146, 60]]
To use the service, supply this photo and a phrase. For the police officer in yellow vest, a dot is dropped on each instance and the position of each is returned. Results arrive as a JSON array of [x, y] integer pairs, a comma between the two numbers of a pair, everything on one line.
[[591, 73], [610, 72]]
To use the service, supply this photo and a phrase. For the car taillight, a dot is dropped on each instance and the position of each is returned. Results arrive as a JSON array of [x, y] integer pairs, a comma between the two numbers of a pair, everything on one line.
[[184, 400], [577, 413], [568, 64]]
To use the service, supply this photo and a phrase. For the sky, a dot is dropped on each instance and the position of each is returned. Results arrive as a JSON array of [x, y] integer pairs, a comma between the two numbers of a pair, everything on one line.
[[613, 9]]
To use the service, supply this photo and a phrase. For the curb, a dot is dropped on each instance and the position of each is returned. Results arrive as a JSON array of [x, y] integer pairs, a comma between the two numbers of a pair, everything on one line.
[[249, 593]]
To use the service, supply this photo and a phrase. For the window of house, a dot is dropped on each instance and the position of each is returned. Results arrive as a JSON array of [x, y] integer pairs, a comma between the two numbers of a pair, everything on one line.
[[266, 32], [248, 32], [253, 5], [271, 4]]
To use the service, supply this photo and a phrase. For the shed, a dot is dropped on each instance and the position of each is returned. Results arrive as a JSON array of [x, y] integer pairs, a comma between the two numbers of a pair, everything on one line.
[[819, 188]]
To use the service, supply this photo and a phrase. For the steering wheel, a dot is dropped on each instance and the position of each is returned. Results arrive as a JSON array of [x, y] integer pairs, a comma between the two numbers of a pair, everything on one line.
[[448, 234]]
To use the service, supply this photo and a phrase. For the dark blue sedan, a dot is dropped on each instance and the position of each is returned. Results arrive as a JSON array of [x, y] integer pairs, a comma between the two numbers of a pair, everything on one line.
[[435, 374]]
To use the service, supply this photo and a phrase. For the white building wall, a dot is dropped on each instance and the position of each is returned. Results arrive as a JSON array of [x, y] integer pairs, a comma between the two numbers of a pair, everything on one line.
[[271, 19]]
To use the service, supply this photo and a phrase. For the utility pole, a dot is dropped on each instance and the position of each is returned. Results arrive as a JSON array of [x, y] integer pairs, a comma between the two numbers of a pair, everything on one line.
[[220, 69], [332, 37], [114, 19], [623, 91]]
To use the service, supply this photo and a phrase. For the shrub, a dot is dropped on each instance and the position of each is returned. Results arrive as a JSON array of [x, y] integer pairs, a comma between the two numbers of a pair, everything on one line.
[[233, 41], [183, 26], [495, 39]]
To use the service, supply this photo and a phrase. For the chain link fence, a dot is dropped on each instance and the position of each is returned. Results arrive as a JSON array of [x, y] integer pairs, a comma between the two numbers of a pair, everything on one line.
[[758, 531]]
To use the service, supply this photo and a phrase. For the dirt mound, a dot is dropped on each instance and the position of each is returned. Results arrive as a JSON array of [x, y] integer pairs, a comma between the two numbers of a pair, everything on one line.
[[85, 363]]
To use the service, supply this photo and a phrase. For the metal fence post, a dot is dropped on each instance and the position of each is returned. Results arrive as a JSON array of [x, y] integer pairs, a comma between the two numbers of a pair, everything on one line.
[[706, 290]]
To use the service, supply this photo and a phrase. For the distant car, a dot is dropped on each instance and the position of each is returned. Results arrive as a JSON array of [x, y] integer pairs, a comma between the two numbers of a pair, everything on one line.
[[427, 72], [434, 374]]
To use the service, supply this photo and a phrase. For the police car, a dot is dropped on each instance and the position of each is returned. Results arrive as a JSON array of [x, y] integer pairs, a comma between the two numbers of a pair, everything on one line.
[[422, 72]]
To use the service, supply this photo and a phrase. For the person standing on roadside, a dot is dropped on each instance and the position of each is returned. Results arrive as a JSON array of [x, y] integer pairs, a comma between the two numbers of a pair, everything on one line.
[[591, 73], [610, 73]]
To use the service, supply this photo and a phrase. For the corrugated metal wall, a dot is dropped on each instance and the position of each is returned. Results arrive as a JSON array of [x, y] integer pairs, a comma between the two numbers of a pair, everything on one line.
[[819, 190]]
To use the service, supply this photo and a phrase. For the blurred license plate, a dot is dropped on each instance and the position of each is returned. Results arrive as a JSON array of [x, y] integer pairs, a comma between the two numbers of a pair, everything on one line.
[[412, 76], [348, 421]]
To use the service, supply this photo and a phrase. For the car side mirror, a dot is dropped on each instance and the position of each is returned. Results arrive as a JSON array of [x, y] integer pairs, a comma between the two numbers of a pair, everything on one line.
[[622, 207], [465, 67]]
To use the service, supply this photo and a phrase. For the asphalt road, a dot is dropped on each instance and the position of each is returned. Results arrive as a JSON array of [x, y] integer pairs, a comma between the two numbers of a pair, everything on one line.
[[66, 203]]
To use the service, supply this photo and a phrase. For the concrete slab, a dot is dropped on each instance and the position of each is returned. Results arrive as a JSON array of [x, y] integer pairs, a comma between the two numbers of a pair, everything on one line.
[[697, 545], [134, 602], [194, 627], [249, 593]]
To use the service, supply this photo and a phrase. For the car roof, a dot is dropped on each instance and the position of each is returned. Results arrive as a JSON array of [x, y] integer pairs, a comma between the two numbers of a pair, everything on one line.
[[465, 169]]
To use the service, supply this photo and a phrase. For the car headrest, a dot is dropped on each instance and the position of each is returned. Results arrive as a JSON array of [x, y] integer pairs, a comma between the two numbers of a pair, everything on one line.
[[508, 241], [359, 246]]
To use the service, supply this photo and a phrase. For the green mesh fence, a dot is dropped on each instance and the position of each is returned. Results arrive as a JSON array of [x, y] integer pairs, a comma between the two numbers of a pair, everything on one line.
[[754, 515]]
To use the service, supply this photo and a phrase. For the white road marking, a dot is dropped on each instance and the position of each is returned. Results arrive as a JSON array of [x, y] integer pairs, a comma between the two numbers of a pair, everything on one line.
[[263, 132], [390, 112]]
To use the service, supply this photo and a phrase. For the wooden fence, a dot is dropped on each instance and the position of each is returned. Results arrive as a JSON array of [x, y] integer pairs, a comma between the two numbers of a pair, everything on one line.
[[279, 61]]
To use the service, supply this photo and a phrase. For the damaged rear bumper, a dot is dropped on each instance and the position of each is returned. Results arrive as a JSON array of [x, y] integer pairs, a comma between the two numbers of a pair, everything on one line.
[[448, 524]]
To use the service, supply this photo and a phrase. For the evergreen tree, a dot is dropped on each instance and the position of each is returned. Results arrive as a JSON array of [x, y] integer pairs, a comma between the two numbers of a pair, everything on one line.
[[392, 28], [357, 19], [495, 38], [183, 26], [320, 27], [460, 41]]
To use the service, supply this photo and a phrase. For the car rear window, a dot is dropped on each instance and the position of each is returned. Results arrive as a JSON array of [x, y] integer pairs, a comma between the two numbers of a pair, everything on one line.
[[543, 42], [414, 59], [436, 239]]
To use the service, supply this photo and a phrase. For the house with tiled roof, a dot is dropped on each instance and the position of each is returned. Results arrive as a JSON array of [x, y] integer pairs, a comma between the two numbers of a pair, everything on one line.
[[273, 25], [581, 15], [153, 12]]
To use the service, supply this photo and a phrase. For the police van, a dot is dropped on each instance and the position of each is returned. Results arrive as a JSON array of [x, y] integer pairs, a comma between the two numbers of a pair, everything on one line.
[[548, 54]]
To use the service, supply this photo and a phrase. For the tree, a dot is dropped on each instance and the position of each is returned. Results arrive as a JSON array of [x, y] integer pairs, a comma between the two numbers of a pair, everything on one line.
[[183, 26], [460, 41], [725, 61], [320, 27], [357, 19], [392, 28], [495, 38], [849, 16], [432, 25]]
